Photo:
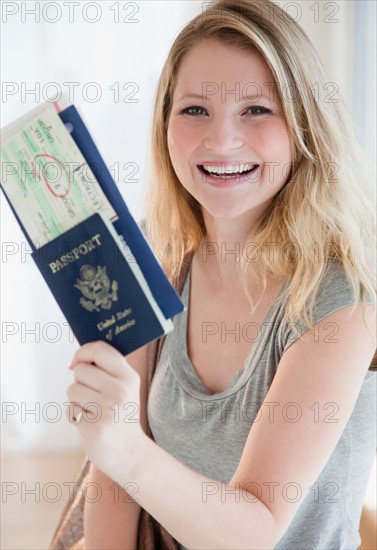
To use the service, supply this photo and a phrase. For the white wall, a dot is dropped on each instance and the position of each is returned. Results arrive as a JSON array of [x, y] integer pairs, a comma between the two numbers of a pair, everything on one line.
[[109, 54], [36, 54]]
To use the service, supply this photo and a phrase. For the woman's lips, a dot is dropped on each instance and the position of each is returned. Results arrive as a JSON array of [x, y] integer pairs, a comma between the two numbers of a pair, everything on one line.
[[227, 180]]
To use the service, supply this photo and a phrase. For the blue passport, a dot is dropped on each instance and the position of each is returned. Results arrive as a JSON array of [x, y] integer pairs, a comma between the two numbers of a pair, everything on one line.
[[100, 291]]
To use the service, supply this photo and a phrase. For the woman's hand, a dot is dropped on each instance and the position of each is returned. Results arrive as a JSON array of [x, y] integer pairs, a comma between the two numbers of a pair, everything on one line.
[[105, 400]]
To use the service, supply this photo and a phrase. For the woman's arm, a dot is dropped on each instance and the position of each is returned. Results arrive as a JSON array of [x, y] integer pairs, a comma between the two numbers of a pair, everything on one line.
[[111, 522], [255, 508], [111, 513], [198, 511]]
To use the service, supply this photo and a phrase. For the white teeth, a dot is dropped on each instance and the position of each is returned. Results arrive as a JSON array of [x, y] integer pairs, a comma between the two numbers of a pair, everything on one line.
[[229, 168]]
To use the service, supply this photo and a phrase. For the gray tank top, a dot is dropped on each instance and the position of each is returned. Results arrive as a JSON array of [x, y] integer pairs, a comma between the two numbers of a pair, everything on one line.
[[207, 432]]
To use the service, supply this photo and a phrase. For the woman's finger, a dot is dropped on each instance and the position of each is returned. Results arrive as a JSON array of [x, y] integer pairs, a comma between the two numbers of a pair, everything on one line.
[[74, 412], [103, 384], [93, 378], [87, 400], [103, 356]]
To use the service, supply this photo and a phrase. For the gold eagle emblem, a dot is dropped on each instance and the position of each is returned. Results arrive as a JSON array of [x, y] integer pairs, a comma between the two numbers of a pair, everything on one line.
[[95, 286]]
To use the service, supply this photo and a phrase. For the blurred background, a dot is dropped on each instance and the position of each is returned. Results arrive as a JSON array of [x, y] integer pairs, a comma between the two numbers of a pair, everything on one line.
[[106, 58]]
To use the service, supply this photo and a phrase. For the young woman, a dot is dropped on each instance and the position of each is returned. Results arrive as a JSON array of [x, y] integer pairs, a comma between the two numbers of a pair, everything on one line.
[[257, 429]]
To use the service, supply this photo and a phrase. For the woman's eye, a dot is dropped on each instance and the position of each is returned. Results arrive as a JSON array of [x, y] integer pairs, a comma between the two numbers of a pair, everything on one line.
[[194, 110], [258, 110]]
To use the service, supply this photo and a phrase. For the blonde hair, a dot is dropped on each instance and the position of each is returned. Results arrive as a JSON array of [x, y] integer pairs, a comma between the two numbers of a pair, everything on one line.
[[325, 209]]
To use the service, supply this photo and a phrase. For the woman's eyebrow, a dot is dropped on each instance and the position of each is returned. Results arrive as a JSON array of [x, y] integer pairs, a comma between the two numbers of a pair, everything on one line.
[[256, 96], [195, 96], [205, 97]]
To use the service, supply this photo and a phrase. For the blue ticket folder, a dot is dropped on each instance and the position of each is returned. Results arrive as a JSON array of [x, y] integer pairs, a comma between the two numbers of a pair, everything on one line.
[[163, 292], [96, 287]]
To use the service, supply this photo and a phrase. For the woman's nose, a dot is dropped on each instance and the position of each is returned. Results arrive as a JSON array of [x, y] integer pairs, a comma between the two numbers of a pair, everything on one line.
[[222, 135]]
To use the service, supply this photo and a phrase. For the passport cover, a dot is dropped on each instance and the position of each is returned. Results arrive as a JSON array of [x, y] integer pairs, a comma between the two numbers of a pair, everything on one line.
[[96, 288]]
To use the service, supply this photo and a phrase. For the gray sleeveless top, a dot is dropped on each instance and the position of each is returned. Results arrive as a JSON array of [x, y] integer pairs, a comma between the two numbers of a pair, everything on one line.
[[207, 432]]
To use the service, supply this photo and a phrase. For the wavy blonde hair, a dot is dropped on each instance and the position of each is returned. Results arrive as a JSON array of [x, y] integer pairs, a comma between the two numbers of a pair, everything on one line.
[[324, 212]]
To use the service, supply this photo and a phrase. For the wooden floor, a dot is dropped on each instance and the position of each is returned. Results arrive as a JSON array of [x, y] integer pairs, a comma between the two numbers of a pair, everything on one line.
[[35, 490]]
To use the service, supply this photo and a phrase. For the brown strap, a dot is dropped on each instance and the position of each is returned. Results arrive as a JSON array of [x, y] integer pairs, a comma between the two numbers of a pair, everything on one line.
[[151, 534], [373, 363], [155, 348]]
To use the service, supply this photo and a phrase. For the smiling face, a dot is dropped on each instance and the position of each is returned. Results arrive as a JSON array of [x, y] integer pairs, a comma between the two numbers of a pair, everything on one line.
[[227, 137]]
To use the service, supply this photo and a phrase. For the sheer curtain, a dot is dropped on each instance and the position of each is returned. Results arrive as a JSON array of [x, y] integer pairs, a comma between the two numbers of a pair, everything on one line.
[[107, 57]]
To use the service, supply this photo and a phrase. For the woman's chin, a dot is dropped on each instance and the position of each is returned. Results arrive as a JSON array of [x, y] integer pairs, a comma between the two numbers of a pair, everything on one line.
[[224, 212]]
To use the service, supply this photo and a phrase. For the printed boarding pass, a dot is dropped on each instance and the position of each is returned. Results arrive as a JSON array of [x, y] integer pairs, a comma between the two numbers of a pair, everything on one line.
[[46, 178]]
